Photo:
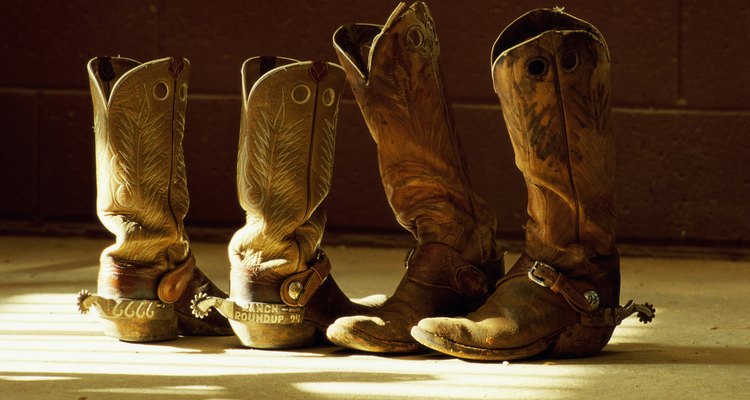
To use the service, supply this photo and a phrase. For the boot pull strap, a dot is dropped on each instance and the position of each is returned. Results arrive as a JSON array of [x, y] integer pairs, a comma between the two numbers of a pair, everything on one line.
[[173, 284], [587, 304], [298, 289], [438, 265]]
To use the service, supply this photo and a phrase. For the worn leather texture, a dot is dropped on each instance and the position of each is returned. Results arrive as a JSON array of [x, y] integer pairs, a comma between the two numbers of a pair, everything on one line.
[[395, 74], [558, 122], [551, 73]]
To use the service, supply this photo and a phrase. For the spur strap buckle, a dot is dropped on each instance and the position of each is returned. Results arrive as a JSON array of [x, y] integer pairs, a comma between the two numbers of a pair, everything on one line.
[[548, 277], [587, 303], [534, 278], [298, 289]]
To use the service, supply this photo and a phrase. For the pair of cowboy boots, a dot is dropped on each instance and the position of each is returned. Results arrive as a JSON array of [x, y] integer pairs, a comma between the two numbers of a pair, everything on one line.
[[561, 298], [149, 286]]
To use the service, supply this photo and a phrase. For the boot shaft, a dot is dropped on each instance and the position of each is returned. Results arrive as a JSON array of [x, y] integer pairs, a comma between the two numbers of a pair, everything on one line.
[[395, 75], [284, 167], [142, 198], [551, 72]]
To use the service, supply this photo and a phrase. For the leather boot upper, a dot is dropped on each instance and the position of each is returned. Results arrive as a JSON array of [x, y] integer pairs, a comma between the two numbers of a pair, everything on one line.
[[551, 72], [142, 198], [396, 77], [284, 170]]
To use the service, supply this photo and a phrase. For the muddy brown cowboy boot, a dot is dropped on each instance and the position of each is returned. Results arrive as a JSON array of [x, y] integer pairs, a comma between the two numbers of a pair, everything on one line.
[[396, 78], [281, 291], [551, 72], [149, 276]]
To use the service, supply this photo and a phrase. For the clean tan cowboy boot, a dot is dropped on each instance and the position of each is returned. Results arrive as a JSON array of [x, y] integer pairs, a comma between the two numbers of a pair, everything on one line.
[[148, 277], [551, 72], [281, 292], [396, 78]]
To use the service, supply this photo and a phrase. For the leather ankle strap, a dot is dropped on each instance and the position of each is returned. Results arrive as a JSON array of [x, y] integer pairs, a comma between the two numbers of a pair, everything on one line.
[[546, 276], [298, 289], [587, 304], [438, 265], [173, 283]]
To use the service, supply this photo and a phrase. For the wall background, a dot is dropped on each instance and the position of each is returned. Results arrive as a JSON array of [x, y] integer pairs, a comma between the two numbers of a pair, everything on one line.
[[681, 98]]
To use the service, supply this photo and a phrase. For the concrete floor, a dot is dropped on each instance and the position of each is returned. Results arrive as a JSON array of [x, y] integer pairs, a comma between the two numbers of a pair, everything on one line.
[[698, 347]]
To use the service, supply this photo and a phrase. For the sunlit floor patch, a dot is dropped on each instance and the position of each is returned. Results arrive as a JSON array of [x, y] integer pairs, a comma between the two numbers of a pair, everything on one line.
[[697, 347], [187, 390], [434, 389], [30, 378]]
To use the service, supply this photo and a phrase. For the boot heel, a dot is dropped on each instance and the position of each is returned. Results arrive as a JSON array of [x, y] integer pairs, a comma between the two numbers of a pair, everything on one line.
[[580, 341], [132, 320], [133, 330], [274, 336], [260, 325]]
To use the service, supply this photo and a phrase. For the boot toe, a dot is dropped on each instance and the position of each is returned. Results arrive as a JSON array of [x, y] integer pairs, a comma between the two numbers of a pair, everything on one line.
[[445, 335], [454, 328], [437, 333], [372, 334]]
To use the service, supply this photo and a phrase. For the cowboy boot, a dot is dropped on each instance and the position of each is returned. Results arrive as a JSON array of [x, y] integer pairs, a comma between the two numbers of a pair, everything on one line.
[[551, 72], [396, 78], [149, 276], [281, 291]]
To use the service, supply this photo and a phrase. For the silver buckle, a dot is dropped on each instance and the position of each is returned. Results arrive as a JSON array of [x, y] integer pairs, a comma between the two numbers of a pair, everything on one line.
[[534, 278], [319, 255]]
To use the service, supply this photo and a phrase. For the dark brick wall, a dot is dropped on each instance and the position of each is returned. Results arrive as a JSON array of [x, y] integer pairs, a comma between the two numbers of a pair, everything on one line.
[[681, 86]]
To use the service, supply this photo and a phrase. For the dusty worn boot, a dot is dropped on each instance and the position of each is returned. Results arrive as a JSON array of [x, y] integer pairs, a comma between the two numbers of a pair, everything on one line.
[[551, 72], [396, 78], [148, 277], [281, 292]]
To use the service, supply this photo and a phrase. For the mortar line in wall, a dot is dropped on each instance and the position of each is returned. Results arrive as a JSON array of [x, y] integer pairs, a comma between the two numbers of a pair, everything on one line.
[[626, 109], [41, 90], [86, 92], [682, 111], [17, 90], [457, 105], [680, 21], [619, 109]]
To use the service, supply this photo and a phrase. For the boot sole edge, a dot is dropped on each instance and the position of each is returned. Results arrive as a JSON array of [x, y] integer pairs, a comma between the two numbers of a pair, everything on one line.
[[458, 350], [358, 340]]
